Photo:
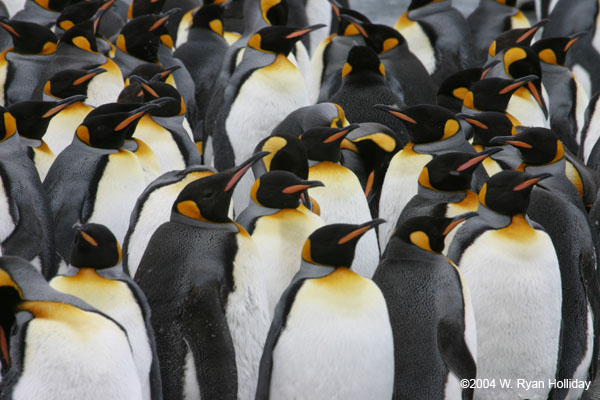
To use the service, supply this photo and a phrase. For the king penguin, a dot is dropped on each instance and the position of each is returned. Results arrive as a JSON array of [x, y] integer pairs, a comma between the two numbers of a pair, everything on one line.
[[279, 225], [430, 312], [342, 199], [95, 276], [94, 179], [25, 216], [199, 273], [439, 36], [23, 64], [513, 275], [332, 317], [152, 209], [433, 130], [56, 346]]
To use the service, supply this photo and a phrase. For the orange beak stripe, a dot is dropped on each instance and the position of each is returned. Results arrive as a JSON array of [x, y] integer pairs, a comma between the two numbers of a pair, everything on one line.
[[336, 136], [89, 239], [295, 189], [452, 226], [520, 144], [511, 87], [125, 123], [403, 117], [477, 123], [10, 29], [471, 162], [526, 184], [354, 234]]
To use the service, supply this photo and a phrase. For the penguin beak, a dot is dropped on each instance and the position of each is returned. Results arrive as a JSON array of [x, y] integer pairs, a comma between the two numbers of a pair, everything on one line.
[[341, 133], [98, 15], [4, 23], [140, 112], [166, 73], [335, 6], [536, 88], [472, 121], [4, 351], [242, 169], [517, 83], [395, 112], [531, 181], [162, 20], [357, 24], [477, 159], [361, 230], [369, 185], [304, 31], [511, 140], [91, 73], [145, 85], [488, 67], [61, 105], [574, 38], [457, 221], [302, 187], [531, 31]]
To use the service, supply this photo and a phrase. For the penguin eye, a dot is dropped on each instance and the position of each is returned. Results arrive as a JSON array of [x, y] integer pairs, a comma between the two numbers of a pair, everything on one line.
[[208, 195]]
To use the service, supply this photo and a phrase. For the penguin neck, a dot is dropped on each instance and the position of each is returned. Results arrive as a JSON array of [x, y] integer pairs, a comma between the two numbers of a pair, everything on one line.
[[164, 51], [312, 271], [441, 196], [509, 156], [312, 163], [225, 226], [202, 34], [398, 249], [126, 62], [258, 210], [557, 168], [69, 50], [173, 123], [35, 143], [12, 144], [429, 9], [492, 218], [454, 143], [91, 149]]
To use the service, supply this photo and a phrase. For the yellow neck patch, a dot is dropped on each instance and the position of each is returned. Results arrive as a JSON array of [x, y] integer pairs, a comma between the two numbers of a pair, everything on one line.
[[384, 141], [421, 240], [49, 48], [513, 55], [482, 194], [451, 128], [351, 30], [216, 26], [190, 210], [272, 145], [10, 125], [460, 92], [254, 190], [548, 56], [468, 101], [424, 179], [167, 40], [83, 134], [121, 43], [6, 280], [346, 69], [265, 6], [389, 44], [82, 43]]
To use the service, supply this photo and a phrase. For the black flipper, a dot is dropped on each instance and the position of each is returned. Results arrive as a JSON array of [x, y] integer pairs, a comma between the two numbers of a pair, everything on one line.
[[456, 354]]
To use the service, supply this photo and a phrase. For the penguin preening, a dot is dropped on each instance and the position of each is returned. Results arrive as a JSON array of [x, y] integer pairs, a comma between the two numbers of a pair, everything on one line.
[[208, 308], [329, 316], [55, 345], [513, 275], [96, 278], [430, 311]]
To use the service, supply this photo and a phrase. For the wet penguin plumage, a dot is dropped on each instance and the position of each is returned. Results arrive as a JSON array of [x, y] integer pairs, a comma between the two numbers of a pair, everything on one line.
[[342, 199], [211, 347], [23, 64], [279, 225], [94, 179], [430, 311], [439, 35], [153, 209], [96, 277], [55, 335], [511, 268], [363, 86], [27, 229], [333, 317]]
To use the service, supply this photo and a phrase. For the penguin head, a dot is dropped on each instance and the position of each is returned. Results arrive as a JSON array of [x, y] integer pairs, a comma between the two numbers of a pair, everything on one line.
[[453, 89], [538, 146], [75, 13], [209, 17], [173, 104], [33, 117], [274, 12], [515, 37], [82, 36], [363, 62], [334, 245], [521, 62], [450, 172], [141, 37], [55, 6], [138, 8], [154, 72], [280, 189], [508, 192], [324, 144], [350, 22], [428, 233], [207, 199], [29, 37], [554, 50], [71, 82], [285, 153], [487, 125], [108, 126], [508, 3], [95, 247], [426, 123], [279, 39], [414, 4], [8, 127], [493, 94], [381, 38], [131, 94]]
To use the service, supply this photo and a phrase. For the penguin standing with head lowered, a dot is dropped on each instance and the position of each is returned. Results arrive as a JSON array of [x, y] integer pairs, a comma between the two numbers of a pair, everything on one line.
[[55, 346], [26, 228], [331, 317], [209, 311], [513, 275], [435, 340], [279, 225], [95, 179], [96, 277], [342, 199]]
